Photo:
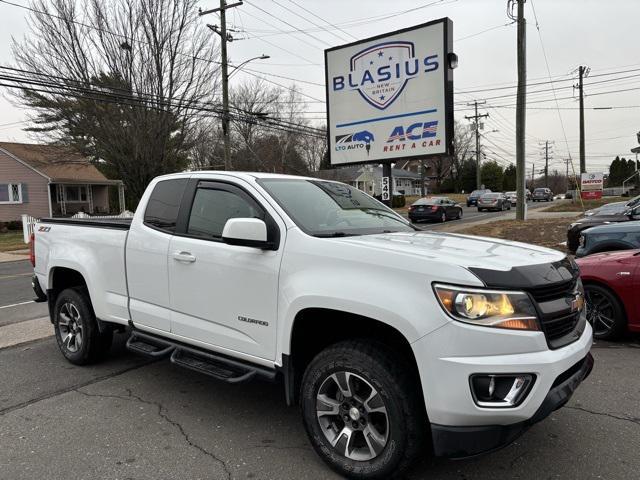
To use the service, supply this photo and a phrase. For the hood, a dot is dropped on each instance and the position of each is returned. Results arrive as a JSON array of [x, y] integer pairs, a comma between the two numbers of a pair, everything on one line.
[[618, 227], [606, 257], [602, 219], [462, 250], [608, 209]]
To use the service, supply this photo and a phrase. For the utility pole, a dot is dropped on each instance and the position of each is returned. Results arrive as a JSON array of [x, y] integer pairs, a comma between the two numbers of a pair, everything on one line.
[[533, 174], [477, 128], [567, 160], [521, 203], [546, 162], [582, 72], [224, 38]]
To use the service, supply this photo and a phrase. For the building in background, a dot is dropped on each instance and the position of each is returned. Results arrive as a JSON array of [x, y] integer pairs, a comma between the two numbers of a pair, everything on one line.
[[52, 180], [369, 179]]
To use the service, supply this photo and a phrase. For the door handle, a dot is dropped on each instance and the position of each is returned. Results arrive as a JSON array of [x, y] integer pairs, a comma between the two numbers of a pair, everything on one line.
[[185, 257]]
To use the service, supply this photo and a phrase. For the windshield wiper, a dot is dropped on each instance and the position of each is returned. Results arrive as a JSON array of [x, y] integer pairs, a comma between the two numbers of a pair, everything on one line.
[[334, 235]]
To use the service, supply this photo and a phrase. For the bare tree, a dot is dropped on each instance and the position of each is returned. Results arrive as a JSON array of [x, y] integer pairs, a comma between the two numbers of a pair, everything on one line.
[[313, 149], [463, 150], [124, 82]]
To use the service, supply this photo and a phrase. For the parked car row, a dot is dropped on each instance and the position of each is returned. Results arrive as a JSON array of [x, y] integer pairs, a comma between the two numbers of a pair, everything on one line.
[[606, 243]]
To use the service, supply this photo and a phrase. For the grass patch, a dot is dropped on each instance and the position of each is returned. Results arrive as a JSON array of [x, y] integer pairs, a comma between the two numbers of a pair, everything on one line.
[[548, 232], [11, 241], [576, 206]]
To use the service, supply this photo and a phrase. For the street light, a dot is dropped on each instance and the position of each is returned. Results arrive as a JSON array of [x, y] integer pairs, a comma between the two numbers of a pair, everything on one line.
[[238, 67]]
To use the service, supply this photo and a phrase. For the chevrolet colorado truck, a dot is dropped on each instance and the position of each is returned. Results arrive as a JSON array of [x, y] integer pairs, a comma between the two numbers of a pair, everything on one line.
[[394, 342]]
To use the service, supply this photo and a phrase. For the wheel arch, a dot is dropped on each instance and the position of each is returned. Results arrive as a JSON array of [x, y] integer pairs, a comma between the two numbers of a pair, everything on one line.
[[61, 278], [314, 329]]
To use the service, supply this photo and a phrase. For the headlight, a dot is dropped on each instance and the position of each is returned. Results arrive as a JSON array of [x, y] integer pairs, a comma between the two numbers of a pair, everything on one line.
[[488, 308]]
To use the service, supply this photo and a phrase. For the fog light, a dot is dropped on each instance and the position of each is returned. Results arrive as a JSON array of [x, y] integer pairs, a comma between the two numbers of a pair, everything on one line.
[[500, 390]]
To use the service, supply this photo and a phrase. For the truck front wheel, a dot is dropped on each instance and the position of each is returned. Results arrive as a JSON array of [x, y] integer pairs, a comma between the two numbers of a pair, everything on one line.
[[76, 328], [361, 410]]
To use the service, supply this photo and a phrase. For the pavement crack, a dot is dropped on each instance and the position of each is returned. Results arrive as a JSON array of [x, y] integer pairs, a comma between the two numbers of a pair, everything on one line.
[[162, 413], [603, 414], [62, 391]]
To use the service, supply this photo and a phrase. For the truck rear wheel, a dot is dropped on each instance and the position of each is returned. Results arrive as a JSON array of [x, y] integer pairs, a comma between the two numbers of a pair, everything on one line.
[[76, 328], [361, 411]]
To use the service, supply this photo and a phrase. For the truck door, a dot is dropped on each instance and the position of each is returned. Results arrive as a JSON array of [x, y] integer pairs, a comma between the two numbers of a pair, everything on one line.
[[146, 255], [223, 295]]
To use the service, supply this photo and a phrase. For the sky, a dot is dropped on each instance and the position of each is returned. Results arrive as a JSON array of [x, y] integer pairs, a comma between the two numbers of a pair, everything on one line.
[[598, 34]]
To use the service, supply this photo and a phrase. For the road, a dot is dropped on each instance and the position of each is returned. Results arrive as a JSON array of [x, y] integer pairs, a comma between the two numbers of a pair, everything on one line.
[[16, 295], [471, 214], [130, 419]]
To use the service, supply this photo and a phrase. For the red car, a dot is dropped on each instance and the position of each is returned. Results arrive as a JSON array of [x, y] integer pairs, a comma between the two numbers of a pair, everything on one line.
[[611, 284]]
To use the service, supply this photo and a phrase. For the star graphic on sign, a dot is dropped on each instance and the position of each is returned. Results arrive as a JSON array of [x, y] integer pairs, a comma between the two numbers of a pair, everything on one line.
[[381, 97], [371, 62], [390, 58], [380, 53]]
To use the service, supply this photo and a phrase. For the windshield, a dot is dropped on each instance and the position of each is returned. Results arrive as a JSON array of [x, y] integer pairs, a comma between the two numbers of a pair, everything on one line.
[[428, 201], [491, 195], [539, 190], [510, 193], [331, 209], [477, 193], [633, 202]]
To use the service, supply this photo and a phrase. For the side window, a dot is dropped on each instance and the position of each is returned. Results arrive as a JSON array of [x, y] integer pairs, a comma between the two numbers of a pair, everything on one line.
[[164, 203], [212, 207]]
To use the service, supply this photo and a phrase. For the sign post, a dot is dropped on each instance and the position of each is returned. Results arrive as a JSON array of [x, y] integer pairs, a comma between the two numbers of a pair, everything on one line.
[[591, 185], [387, 185], [390, 97]]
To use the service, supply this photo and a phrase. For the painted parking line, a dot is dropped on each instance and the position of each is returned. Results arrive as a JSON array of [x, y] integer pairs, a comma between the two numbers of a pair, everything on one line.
[[16, 275], [16, 304]]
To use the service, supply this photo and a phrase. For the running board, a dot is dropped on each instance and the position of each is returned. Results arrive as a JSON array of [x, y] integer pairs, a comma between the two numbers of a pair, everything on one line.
[[217, 366], [149, 345]]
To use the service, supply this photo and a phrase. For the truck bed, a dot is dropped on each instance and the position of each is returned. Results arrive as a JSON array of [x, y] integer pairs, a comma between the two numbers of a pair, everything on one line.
[[119, 223]]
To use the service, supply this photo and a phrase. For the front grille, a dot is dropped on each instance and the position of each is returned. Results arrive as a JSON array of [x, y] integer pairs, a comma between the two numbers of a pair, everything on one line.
[[558, 323], [552, 292], [558, 327]]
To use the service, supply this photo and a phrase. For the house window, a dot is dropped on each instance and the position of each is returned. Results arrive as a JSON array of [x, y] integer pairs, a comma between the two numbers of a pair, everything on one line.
[[75, 193], [10, 193]]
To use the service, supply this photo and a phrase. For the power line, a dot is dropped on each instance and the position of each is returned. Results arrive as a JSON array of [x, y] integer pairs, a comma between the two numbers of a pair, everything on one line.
[[321, 18], [287, 23]]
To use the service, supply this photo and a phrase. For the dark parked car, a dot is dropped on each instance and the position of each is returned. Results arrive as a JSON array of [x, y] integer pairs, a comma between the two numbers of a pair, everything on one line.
[[542, 195], [607, 238], [614, 207], [438, 209], [611, 284], [473, 197], [577, 227], [494, 201]]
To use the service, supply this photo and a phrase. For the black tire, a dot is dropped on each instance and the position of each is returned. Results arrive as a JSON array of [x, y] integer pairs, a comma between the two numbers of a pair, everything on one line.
[[605, 312], [362, 363], [459, 214], [80, 340]]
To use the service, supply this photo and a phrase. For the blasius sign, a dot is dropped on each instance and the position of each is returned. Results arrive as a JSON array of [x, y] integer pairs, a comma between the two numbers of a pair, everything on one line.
[[391, 96]]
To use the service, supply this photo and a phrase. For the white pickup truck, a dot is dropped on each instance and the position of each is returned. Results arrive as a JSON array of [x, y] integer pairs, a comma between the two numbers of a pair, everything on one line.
[[392, 340]]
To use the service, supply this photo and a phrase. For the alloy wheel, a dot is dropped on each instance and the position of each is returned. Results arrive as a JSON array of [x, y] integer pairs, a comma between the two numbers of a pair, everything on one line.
[[352, 415], [600, 313], [71, 327]]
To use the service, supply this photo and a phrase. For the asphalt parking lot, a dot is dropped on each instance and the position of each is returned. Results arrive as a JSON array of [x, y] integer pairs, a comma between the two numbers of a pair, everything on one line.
[[129, 418]]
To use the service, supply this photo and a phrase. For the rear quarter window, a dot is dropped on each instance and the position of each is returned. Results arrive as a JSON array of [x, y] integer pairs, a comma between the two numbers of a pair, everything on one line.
[[164, 203]]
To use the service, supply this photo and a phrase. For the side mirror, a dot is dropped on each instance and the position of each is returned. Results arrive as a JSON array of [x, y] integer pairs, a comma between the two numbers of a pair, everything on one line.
[[246, 232]]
